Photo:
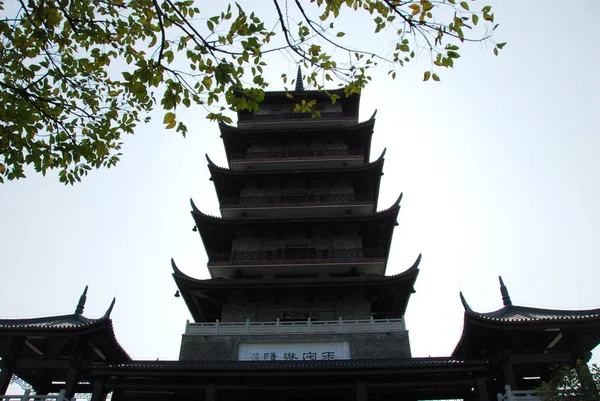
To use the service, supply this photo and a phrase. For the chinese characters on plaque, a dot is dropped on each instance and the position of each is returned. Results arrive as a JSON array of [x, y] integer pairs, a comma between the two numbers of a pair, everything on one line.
[[309, 351], [291, 356]]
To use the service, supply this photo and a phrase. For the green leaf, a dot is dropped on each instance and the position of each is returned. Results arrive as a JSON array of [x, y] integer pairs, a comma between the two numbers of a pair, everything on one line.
[[464, 5], [426, 76], [435, 77], [475, 19], [169, 118], [340, 34], [501, 45]]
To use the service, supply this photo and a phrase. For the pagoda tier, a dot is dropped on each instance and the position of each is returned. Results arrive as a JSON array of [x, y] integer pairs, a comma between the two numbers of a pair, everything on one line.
[[527, 342], [315, 145], [277, 110], [50, 352], [297, 246], [318, 190], [210, 300]]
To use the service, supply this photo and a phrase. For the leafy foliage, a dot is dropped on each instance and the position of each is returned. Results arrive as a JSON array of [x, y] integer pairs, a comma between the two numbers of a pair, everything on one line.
[[76, 75], [568, 383]]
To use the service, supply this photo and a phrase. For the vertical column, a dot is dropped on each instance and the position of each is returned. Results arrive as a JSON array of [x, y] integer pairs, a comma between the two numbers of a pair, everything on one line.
[[481, 390], [98, 391], [590, 390], [9, 362], [211, 392], [117, 394], [72, 379], [361, 391], [6, 374]]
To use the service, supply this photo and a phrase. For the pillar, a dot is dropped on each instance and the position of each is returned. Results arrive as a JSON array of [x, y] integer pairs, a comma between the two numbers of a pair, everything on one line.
[[588, 386], [211, 392], [72, 379], [98, 391], [481, 390], [509, 375], [6, 374], [361, 391]]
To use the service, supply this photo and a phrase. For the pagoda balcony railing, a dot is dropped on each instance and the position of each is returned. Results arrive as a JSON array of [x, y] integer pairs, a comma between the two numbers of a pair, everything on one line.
[[285, 254], [33, 397], [295, 153], [294, 199], [295, 327], [298, 116], [517, 395]]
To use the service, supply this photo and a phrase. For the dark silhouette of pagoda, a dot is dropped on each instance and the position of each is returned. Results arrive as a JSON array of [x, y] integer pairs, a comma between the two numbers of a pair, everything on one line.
[[298, 306]]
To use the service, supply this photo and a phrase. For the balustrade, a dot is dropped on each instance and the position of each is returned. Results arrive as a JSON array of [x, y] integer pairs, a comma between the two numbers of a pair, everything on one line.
[[27, 396], [296, 254], [296, 116], [294, 199], [296, 327], [517, 395], [295, 152]]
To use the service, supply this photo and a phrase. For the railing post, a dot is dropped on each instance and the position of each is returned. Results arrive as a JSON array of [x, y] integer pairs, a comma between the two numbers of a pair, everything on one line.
[[373, 323], [509, 394], [277, 326], [187, 326], [309, 325], [247, 326], [341, 325], [26, 395], [217, 327]]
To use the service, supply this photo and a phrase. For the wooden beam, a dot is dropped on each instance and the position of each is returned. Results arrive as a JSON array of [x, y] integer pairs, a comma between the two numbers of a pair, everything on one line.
[[34, 348], [42, 364], [551, 358]]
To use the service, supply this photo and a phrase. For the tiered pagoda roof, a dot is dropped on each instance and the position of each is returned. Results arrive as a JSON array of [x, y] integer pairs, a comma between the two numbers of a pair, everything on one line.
[[216, 232], [204, 298], [527, 329], [43, 348], [357, 135], [366, 178]]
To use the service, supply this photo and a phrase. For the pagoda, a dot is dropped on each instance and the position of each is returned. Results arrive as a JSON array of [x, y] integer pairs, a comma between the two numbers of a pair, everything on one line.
[[297, 258], [298, 305]]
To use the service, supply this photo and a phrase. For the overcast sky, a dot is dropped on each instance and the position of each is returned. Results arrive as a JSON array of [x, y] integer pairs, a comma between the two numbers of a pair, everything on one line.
[[498, 165]]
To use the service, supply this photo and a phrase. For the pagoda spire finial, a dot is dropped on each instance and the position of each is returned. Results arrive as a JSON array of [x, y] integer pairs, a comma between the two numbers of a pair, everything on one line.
[[299, 83], [81, 303], [504, 291]]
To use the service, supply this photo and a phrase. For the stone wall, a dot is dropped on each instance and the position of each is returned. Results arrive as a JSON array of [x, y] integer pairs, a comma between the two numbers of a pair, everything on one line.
[[362, 345]]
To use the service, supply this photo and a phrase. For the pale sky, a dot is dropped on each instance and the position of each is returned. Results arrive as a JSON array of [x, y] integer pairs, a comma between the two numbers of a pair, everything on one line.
[[498, 165]]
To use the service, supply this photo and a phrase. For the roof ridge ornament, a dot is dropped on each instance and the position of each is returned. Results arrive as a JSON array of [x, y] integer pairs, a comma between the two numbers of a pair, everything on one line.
[[397, 203], [194, 208], [465, 304], [210, 162], [299, 83], [175, 268], [110, 308], [504, 291], [81, 303]]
